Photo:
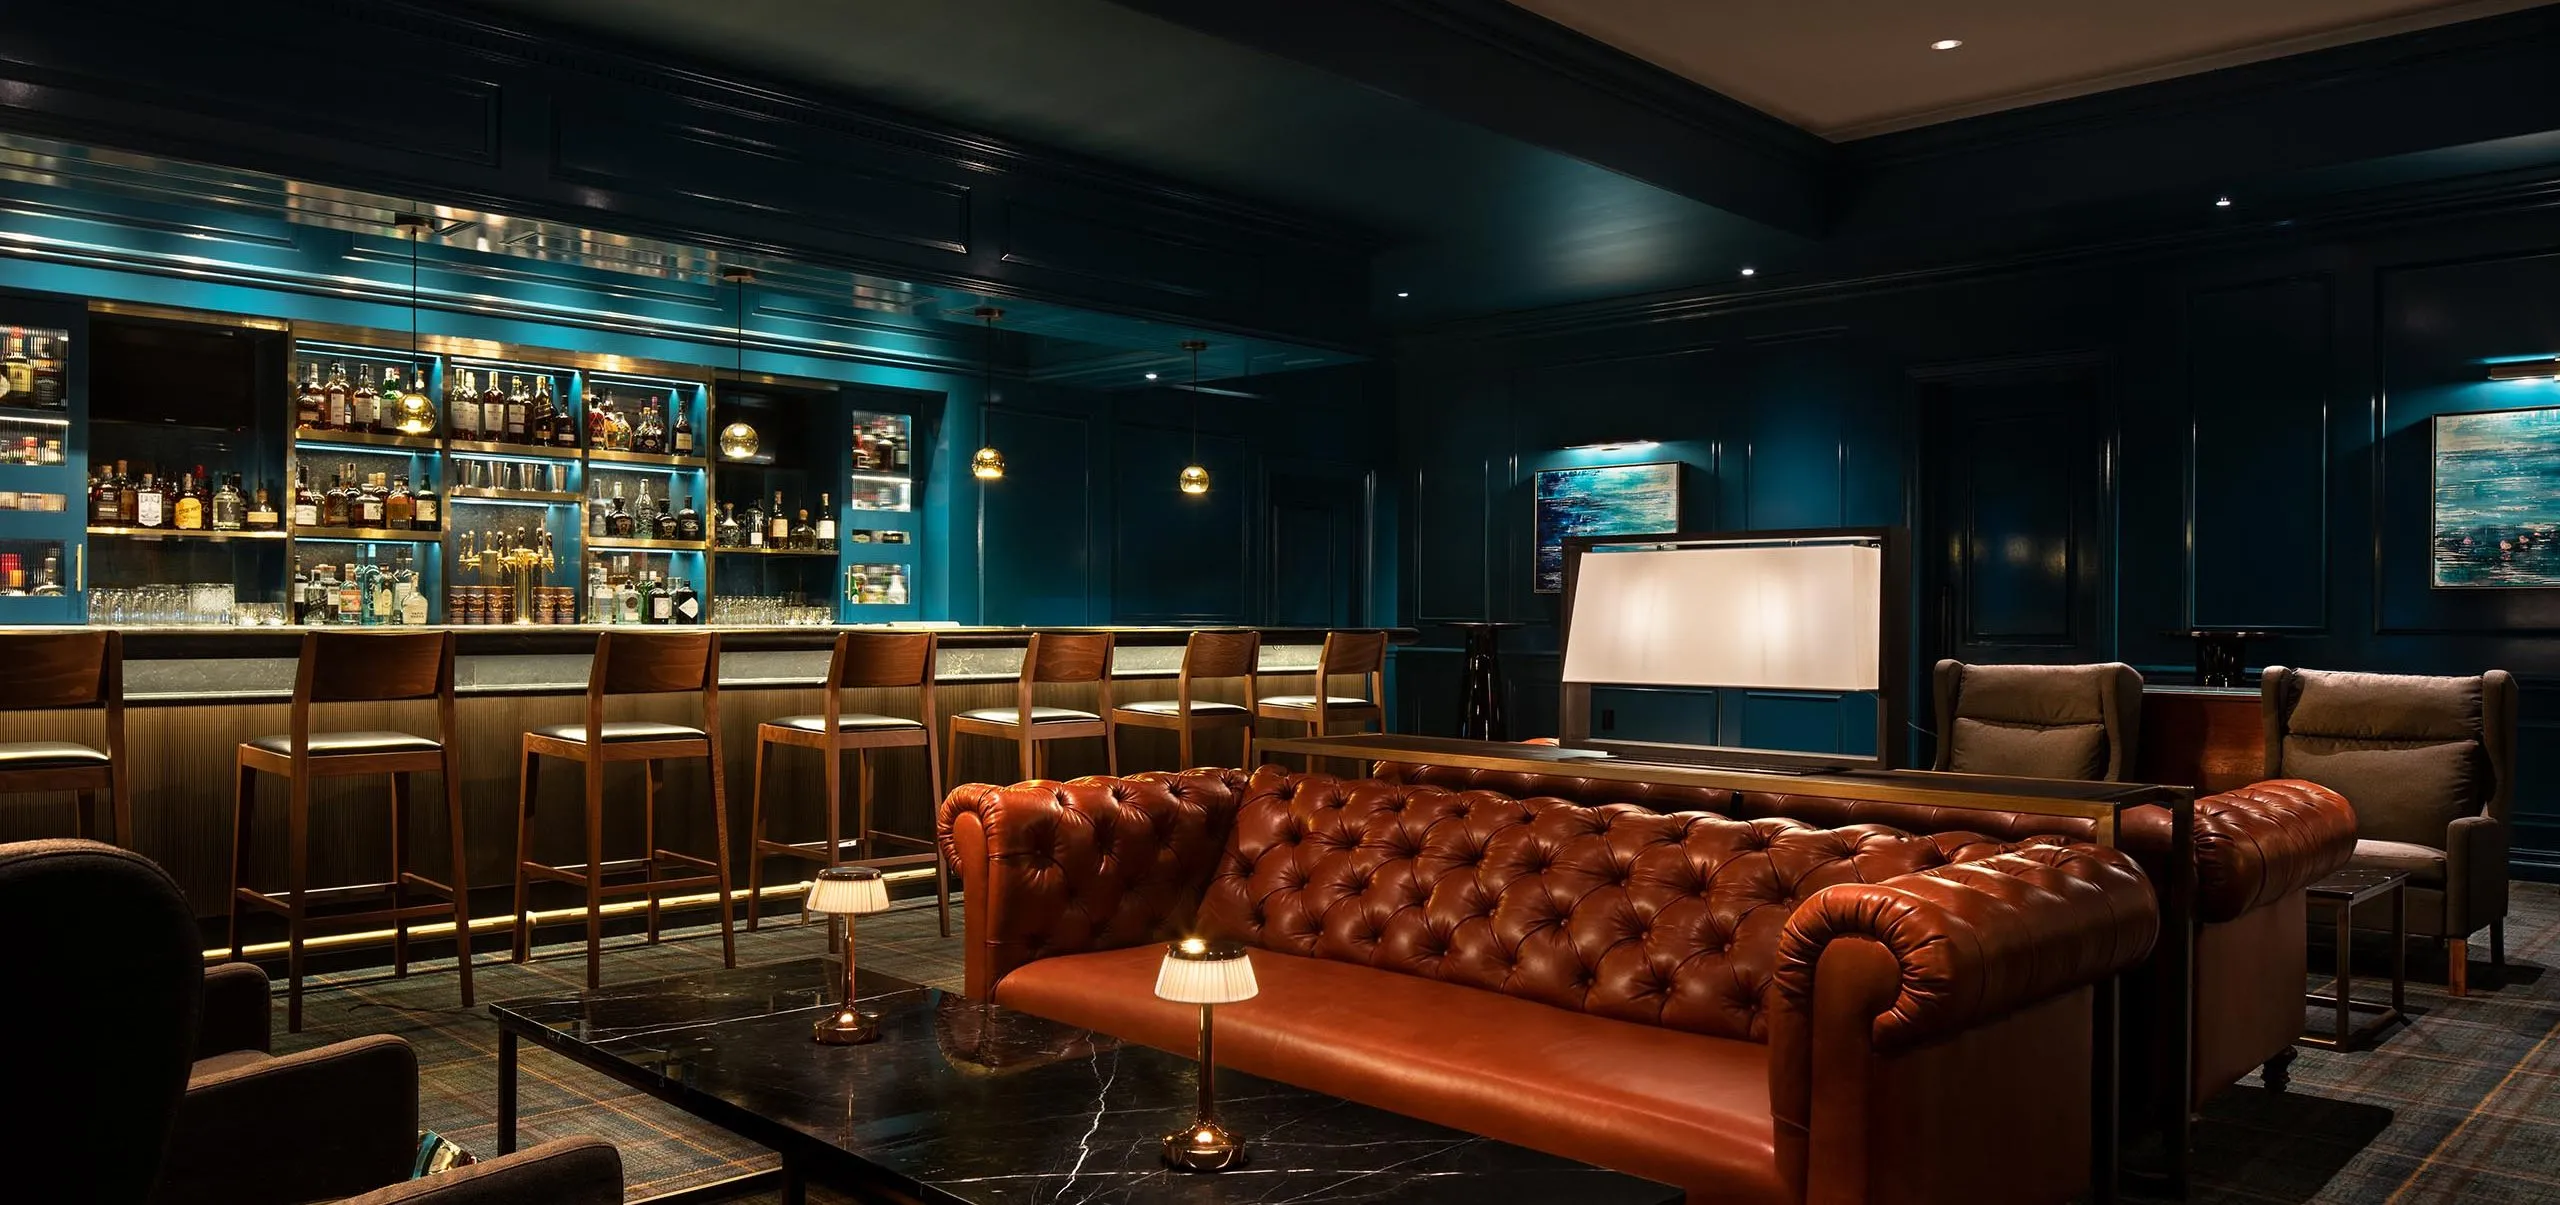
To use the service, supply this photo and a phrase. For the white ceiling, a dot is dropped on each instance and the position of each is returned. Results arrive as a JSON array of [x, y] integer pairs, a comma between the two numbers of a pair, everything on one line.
[[1846, 69]]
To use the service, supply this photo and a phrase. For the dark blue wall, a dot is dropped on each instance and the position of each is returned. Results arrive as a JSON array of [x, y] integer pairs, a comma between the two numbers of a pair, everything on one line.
[[2251, 419]]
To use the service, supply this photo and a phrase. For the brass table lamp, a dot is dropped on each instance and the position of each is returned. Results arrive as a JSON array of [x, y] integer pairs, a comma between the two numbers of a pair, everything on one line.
[[847, 891], [1206, 973]]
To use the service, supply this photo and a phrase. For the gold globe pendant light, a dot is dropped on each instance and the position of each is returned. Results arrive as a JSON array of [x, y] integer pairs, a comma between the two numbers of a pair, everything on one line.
[[1195, 478], [415, 413], [988, 464]]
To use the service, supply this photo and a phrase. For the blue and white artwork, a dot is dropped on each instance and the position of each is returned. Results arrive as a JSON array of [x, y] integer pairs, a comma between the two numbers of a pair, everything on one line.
[[2497, 481], [1605, 500]]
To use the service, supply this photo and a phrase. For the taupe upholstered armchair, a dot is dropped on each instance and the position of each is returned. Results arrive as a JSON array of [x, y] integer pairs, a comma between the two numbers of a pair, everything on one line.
[[2039, 721], [149, 1078], [2429, 766]]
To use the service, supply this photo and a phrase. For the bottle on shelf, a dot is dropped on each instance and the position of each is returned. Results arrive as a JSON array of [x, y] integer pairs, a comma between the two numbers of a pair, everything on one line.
[[364, 404], [644, 516], [755, 525], [386, 406], [648, 432], [599, 515], [778, 534], [684, 605], [370, 500], [688, 523], [262, 512], [306, 500], [680, 432], [803, 536], [599, 420], [150, 507], [334, 506], [626, 594], [462, 406], [896, 594], [338, 398], [493, 411], [724, 534], [230, 511], [104, 493], [311, 402], [540, 422], [187, 505], [600, 600], [658, 605], [424, 512], [626, 525], [519, 405], [48, 371], [826, 530], [399, 507], [564, 416]]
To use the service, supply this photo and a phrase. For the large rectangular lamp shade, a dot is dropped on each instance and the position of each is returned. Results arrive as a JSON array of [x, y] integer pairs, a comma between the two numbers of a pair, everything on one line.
[[1770, 616]]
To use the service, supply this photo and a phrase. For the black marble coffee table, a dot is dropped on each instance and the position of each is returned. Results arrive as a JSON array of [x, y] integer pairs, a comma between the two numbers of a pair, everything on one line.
[[964, 1102]]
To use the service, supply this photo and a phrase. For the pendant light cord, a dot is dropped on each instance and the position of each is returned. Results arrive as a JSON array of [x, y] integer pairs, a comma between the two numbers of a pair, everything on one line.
[[1196, 345], [987, 388]]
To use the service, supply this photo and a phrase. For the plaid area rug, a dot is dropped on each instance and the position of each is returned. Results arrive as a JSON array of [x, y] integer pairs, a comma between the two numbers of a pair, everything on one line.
[[2462, 1104]]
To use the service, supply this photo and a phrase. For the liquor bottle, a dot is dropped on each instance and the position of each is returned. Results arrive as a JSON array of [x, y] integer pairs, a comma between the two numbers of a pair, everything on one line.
[[600, 604], [519, 404], [599, 515], [368, 502], [229, 509], [408, 604], [21, 368], [644, 516], [778, 535], [803, 536], [334, 507], [896, 595], [103, 494], [336, 393], [150, 505], [659, 603], [686, 606], [424, 514], [540, 424], [865, 455], [311, 403], [364, 405], [726, 534], [755, 528], [897, 449], [649, 434], [48, 357], [296, 601], [688, 523], [262, 513], [599, 417], [680, 432], [186, 509], [306, 500], [626, 595], [462, 406], [400, 507], [625, 524], [826, 524], [493, 412], [386, 415], [564, 417]]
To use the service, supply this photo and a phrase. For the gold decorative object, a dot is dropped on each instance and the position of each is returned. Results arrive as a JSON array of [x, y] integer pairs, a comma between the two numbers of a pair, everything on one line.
[[1195, 480], [1206, 973], [847, 891], [518, 559], [987, 465], [416, 414], [739, 441]]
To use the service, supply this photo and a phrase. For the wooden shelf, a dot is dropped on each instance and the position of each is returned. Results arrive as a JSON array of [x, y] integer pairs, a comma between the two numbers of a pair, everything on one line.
[[171, 533], [609, 456], [799, 552], [483, 447], [621, 545], [378, 534], [905, 479], [482, 493], [306, 437]]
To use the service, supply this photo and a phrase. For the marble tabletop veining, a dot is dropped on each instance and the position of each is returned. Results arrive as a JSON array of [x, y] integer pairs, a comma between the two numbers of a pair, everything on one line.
[[963, 1101]]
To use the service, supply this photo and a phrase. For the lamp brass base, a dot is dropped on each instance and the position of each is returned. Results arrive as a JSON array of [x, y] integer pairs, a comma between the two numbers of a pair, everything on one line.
[[1205, 1146], [844, 1026]]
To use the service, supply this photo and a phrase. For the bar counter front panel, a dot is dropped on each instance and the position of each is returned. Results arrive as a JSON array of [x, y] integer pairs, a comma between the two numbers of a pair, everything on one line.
[[194, 694]]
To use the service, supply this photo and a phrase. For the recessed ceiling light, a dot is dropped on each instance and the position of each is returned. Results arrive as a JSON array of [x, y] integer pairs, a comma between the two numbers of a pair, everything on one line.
[[2222, 202], [1404, 294], [1946, 43], [1151, 376], [1751, 271]]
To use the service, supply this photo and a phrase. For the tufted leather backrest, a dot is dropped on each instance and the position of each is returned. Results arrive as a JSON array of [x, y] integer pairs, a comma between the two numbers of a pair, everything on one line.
[[1619, 911]]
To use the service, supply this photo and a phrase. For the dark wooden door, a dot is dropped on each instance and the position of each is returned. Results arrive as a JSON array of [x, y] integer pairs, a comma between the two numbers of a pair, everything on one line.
[[2018, 525]]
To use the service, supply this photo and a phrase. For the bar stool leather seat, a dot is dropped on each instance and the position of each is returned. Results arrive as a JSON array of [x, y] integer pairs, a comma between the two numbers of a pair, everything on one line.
[[1308, 702], [1039, 715], [338, 744], [620, 730], [1174, 707], [848, 722], [45, 755]]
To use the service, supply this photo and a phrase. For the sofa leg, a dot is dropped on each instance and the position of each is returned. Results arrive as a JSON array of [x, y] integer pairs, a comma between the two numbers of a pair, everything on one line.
[[2277, 1074], [2457, 967]]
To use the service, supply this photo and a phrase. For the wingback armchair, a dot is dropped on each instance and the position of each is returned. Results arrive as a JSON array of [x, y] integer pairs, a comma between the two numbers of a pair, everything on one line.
[[148, 1079], [2428, 764], [2039, 721]]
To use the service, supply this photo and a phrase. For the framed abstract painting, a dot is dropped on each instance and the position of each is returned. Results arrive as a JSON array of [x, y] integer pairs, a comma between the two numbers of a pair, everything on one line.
[[2497, 498], [1603, 500]]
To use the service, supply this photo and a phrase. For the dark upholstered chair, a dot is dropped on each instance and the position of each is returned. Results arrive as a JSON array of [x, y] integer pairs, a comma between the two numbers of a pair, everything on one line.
[[2039, 721], [2429, 766], [154, 1079]]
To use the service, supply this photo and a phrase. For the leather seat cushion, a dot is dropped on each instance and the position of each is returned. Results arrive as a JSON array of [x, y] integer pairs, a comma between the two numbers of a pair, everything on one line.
[[1309, 701], [1173, 707], [48, 755], [1684, 1108], [339, 744], [851, 721], [1039, 715], [2423, 864], [621, 730]]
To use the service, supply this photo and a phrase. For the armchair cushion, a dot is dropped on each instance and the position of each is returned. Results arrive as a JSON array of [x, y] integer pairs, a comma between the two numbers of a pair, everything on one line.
[[2031, 750], [2038, 721], [2423, 865], [2410, 753]]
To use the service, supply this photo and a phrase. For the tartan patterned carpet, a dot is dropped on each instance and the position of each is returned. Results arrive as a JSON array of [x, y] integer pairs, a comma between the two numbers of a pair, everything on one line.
[[2460, 1105]]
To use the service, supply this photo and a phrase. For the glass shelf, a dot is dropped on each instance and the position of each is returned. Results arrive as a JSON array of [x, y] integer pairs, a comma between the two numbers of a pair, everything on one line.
[[169, 533], [473, 493], [381, 535], [310, 437], [503, 451], [596, 544], [609, 456], [798, 552]]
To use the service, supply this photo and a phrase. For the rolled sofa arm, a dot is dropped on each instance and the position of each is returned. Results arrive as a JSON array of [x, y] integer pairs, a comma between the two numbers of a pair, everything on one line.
[[314, 1125], [235, 1010], [2260, 843], [1095, 864], [1974, 941]]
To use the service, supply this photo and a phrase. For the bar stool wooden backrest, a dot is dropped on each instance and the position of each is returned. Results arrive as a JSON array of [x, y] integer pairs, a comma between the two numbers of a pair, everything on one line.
[[882, 661], [1218, 655], [63, 671], [372, 667], [654, 663], [1062, 658], [1353, 654]]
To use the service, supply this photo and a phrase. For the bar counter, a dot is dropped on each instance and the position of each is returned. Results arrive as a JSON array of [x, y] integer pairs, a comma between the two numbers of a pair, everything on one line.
[[193, 694]]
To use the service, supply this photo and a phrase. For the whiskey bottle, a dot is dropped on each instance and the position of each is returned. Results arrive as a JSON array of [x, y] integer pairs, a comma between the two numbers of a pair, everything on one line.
[[127, 496], [826, 535], [424, 515], [48, 369], [599, 420], [779, 534], [150, 506], [866, 457], [649, 435], [340, 403], [803, 536], [311, 402], [493, 411], [726, 534], [187, 506], [370, 500], [306, 500], [400, 507], [334, 505], [688, 523], [540, 424], [103, 494], [386, 415], [262, 513], [364, 405], [564, 417], [462, 406], [680, 435], [755, 527], [518, 403], [230, 510], [625, 524]]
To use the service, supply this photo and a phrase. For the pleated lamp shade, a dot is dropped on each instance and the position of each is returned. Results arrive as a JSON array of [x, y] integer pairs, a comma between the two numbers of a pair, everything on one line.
[[1197, 971], [848, 891]]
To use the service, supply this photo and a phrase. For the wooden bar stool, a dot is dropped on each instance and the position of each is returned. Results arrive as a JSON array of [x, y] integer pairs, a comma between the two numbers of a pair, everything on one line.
[[356, 667], [1345, 654], [58, 671], [1051, 657], [862, 661], [631, 664], [1209, 655]]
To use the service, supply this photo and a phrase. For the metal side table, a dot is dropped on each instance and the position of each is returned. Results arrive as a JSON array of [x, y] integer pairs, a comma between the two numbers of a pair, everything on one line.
[[2344, 891]]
